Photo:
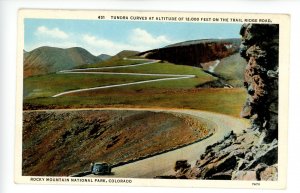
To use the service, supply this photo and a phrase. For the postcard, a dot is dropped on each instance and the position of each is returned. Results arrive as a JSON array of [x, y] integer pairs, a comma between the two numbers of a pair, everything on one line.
[[133, 98]]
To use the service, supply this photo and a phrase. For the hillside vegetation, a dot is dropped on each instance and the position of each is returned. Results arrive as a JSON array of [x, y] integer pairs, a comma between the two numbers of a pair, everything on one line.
[[229, 72], [117, 60], [40, 86], [104, 57], [45, 60], [232, 69], [182, 93]]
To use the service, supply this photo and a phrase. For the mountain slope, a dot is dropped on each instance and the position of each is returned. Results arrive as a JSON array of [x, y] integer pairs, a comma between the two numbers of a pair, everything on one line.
[[228, 70], [45, 60], [218, 57], [104, 57], [124, 54], [232, 69], [194, 52], [116, 60]]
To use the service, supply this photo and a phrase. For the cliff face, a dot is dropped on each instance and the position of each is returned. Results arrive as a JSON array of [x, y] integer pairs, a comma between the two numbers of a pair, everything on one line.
[[260, 48], [252, 154], [195, 52]]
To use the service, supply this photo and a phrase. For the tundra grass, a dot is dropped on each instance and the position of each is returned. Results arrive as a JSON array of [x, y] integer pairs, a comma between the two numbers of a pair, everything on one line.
[[219, 100], [113, 63], [166, 68], [51, 84], [232, 68], [161, 68], [180, 93]]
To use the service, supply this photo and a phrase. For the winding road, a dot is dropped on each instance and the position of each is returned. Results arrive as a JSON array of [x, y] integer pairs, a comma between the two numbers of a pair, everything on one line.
[[163, 164], [147, 62], [214, 66]]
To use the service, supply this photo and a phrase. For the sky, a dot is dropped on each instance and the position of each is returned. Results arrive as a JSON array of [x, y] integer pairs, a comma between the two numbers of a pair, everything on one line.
[[111, 36]]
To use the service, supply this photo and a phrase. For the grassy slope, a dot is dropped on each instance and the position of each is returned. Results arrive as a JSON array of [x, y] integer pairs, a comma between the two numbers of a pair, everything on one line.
[[161, 68], [117, 60], [41, 86], [232, 69], [169, 94], [225, 101], [167, 68], [51, 84], [112, 62], [46, 60]]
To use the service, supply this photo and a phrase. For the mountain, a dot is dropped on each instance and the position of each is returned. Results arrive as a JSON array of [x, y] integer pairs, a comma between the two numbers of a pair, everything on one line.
[[25, 53], [45, 60], [218, 57], [104, 57], [195, 52], [124, 54], [107, 60]]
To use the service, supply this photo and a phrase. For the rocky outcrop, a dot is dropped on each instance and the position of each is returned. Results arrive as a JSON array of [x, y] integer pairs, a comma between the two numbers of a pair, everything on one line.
[[260, 48], [195, 52], [236, 157], [252, 154]]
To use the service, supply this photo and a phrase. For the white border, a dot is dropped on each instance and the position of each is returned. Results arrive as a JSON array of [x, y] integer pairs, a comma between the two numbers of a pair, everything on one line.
[[282, 20], [8, 12]]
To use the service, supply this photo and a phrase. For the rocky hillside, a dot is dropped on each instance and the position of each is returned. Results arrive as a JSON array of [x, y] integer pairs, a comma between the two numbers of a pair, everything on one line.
[[253, 154], [45, 60], [195, 52]]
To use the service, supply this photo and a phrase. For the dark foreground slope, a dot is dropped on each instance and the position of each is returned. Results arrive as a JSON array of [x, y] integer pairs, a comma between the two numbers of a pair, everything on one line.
[[80, 137]]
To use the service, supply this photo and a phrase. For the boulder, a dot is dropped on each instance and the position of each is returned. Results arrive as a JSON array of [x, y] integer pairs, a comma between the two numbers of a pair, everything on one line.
[[270, 173], [244, 175], [182, 165]]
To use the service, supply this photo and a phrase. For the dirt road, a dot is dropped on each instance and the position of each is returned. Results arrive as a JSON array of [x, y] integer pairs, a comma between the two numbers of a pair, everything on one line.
[[163, 164], [147, 62], [214, 66]]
